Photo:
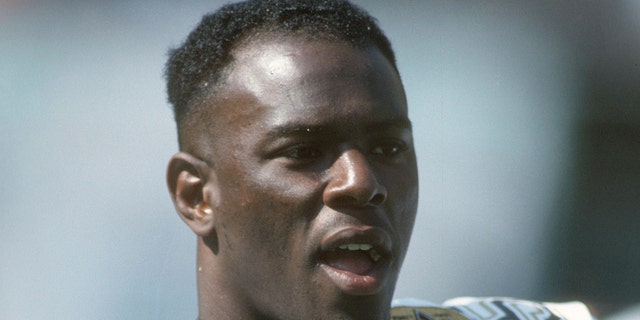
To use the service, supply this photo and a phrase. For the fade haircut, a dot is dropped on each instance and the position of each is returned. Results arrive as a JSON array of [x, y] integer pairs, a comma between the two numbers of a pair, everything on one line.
[[194, 70]]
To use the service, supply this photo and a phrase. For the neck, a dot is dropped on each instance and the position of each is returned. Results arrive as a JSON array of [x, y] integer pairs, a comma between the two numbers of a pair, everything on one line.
[[214, 303]]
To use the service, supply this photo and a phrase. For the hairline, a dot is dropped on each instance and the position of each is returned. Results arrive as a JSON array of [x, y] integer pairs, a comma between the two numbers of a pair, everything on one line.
[[204, 102]]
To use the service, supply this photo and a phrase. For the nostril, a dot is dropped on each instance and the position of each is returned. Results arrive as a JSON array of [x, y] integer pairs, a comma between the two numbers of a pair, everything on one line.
[[348, 200], [377, 199]]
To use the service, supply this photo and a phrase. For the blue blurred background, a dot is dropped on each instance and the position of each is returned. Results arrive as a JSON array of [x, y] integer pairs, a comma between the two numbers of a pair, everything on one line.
[[527, 128]]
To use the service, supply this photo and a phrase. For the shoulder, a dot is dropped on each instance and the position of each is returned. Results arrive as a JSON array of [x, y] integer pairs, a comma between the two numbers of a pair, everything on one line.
[[471, 308]]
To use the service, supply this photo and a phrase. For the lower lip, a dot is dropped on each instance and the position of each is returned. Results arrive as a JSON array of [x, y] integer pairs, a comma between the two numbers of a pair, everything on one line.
[[356, 284]]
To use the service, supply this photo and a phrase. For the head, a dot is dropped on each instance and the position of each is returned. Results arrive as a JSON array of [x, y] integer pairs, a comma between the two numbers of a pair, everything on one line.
[[297, 171]]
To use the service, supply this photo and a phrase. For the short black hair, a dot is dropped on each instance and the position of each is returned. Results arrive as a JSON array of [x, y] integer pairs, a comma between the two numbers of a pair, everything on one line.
[[195, 68]]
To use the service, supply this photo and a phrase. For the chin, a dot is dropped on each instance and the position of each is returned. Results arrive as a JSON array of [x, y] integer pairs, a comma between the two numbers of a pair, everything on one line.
[[373, 307]]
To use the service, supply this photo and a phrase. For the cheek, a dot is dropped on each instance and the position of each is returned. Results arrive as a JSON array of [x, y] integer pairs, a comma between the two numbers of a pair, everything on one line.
[[268, 215], [402, 198]]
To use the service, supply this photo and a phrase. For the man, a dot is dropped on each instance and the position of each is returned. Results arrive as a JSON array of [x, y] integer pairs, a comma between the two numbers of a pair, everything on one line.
[[296, 168]]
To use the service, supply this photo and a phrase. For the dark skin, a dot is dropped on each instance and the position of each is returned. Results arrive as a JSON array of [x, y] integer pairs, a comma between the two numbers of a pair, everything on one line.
[[307, 150]]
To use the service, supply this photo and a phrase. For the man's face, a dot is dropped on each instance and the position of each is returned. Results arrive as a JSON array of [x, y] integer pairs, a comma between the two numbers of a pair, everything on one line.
[[315, 180]]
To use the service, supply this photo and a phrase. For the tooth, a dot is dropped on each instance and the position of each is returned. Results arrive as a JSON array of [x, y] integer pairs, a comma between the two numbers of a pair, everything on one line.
[[374, 255], [365, 247], [356, 246]]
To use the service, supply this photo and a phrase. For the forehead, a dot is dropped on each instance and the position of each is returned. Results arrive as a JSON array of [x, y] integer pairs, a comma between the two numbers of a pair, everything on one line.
[[295, 80], [297, 62], [274, 57]]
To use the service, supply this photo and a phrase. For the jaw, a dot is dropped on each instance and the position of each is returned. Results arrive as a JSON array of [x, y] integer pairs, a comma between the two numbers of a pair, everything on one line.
[[369, 307]]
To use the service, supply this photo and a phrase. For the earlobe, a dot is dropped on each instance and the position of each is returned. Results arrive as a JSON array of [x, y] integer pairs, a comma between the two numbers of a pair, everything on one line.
[[189, 180]]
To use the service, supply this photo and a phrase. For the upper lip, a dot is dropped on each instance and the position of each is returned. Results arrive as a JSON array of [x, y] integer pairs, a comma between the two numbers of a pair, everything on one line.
[[375, 236]]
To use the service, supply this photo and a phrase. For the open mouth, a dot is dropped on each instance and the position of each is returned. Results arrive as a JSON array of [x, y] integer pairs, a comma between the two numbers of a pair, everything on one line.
[[357, 260]]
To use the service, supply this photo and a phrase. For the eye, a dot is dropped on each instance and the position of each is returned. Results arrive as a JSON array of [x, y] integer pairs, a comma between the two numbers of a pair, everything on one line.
[[390, 147], [302, 152]]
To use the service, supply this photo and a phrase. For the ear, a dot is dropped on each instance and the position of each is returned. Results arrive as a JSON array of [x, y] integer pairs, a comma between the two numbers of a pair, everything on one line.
[[190, 181]]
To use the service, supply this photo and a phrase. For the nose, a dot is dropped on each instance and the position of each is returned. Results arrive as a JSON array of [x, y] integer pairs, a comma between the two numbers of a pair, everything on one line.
[[352, 182]]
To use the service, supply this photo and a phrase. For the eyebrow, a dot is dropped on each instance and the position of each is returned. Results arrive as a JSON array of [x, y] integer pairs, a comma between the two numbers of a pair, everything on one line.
[[397, 123], [296, 129]]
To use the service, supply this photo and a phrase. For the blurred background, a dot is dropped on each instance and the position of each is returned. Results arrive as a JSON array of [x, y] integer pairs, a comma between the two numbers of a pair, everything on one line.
[[527, 129]]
